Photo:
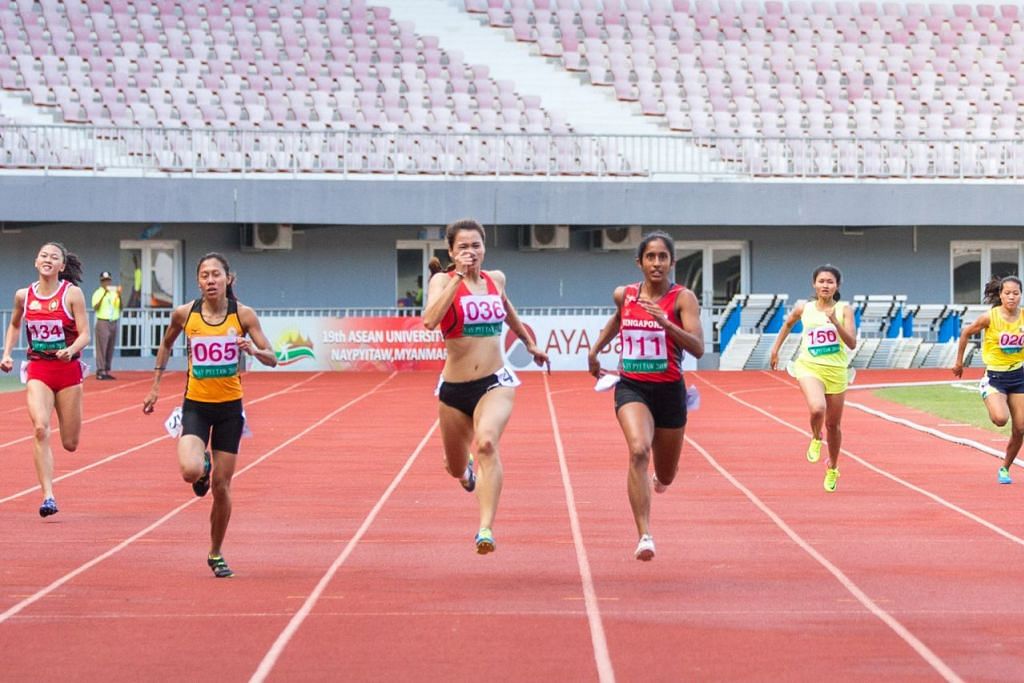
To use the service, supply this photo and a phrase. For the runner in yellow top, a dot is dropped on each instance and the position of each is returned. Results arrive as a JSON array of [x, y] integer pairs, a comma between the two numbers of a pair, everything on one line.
[[829, 329], [216, 326], [1002, 349]]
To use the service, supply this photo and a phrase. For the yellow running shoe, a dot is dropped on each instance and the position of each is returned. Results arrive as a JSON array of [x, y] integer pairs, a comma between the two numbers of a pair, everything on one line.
[[814, 451], [831, 477]]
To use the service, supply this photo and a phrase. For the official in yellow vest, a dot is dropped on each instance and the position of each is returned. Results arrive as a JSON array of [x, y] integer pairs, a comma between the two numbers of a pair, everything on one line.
[[106, 301]]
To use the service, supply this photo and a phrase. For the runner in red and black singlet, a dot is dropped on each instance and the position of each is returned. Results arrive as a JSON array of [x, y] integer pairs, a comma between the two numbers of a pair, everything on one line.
[[657, 321], [57, 329], [219, 330], [476, 390]]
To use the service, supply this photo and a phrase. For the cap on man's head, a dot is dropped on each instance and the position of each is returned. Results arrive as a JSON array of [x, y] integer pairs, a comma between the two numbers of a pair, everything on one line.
[[105, 276]]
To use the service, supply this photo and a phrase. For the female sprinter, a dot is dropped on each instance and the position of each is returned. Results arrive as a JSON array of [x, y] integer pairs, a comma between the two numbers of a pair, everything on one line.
[[658, 320], [1002, 349], [829, 329], [476, 390], [215, 326], [57, 329]]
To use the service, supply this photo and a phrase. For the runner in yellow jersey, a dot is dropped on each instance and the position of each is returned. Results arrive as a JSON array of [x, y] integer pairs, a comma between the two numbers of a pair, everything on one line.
[[1002, 349], [829, 329], [216, 327]]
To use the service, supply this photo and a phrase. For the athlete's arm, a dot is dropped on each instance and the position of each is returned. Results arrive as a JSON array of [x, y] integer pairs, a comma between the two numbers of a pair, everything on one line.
[[174, 328], [76, 300], [514, 323], [13, 330], [257, 346], [691, 335], [440, 294], [608, 332], [980, 323], [848, 330], [791, 320]]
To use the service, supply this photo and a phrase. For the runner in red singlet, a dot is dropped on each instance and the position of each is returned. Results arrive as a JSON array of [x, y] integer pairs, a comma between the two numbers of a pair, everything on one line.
[[57, 329], [657, 321], [476, 390]]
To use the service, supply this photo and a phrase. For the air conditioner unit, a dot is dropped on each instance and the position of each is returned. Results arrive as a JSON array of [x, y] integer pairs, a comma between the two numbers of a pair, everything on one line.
[[612, 239], [536, 237], [266, 236]]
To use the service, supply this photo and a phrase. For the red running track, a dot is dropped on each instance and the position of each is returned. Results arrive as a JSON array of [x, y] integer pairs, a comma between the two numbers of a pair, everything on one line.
[[354, 560]]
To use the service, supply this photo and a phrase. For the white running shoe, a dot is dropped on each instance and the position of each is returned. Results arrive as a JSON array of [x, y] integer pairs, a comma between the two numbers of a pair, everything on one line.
[[645, 549], [658, 486]]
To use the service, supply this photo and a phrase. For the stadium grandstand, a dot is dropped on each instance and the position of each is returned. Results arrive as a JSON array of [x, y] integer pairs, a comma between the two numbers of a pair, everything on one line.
[[322, 145]]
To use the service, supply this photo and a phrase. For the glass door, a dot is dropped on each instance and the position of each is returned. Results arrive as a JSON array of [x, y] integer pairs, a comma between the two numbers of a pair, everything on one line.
[[412, 272], [152, 277], [714, 271], [974, 263]]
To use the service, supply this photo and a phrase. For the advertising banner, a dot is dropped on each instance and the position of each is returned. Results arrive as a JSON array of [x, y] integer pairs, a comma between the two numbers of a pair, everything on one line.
[[402, 343]]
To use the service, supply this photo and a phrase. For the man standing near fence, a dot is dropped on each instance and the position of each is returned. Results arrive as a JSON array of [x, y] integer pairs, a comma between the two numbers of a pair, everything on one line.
[[106, 301]]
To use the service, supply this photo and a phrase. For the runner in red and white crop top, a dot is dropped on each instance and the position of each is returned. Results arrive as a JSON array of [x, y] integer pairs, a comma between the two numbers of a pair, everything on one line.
[[477, 390], [648, 353], [49, 326], [52, 310], [474, 315]]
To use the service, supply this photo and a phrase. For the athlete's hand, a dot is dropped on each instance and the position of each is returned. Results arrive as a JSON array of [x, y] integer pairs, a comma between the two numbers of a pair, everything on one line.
[[63, 355], [774, 361], [465, 261], [594, 366], [7, 364], [539, 357], [654, 309], [149, 403], [958, 370], [245, 345]]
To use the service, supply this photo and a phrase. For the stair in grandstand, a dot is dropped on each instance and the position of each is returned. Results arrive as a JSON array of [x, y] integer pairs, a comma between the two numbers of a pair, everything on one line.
[[735, 356], [866, 348]]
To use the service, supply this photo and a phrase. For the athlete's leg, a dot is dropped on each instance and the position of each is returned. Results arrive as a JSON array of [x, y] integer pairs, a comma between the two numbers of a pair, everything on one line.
[[666, 448], [220, 484], [456, 437], [191, 450], [638, 428], [489, 420], [833, 419], [998, 408], [814, 393], [1016, 407], [68, 403], [40, 406]]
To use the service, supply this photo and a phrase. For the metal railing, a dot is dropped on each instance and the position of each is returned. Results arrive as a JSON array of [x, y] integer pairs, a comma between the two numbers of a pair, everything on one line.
[[276, 152], [141, 329]]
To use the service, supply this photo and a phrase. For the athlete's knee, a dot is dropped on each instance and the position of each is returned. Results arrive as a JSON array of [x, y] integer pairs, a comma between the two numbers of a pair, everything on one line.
[[485, 445], [639, 454], [41, 431], [832, 425], [70, 444], [817, 413], [1000, 420], [221, 488]]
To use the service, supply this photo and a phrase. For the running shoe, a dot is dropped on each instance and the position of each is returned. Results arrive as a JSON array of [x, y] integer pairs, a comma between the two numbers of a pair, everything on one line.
[[814, 451], [49, 507], [831, 477], [468, 480], [201, 485], [219, 567], [658, 486], [484, 541], [645, 549], [1004, 478]]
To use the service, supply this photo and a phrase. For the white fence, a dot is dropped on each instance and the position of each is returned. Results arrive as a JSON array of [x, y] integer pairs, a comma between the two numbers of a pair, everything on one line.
[[276, 152]]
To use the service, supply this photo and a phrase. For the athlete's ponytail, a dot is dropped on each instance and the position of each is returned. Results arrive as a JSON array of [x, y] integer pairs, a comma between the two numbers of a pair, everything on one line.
[[72, 271], [435, 266]]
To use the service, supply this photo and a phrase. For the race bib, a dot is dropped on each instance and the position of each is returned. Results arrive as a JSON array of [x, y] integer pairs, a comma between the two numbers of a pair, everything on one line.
[[507, 378], [214, 357], [822, 341], [47, 335], [173, 423], [1011, 342], [644, 351], [482, 315]]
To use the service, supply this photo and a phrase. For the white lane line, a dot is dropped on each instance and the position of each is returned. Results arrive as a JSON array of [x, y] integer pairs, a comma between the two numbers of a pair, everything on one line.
[[267, 664], [602, 657], [877, 470], [909, 638], [43, 592], [115, 456]]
